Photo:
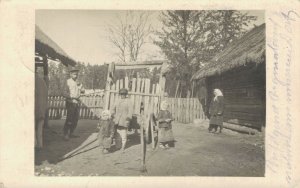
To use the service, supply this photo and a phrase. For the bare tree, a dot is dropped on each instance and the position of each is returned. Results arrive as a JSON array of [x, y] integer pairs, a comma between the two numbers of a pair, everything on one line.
[[129, 34]]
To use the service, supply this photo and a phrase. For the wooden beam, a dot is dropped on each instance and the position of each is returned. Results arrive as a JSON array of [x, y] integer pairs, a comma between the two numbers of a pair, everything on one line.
[[138, 66], [135, 93]]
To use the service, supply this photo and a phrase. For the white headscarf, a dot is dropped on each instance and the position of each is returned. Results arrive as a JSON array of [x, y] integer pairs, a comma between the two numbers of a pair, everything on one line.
[[105, 115], [164, 105], [217, 93]]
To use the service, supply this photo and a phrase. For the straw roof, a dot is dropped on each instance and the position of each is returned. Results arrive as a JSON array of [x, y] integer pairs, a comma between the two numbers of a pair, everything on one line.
[[249, 49], [46, 46]]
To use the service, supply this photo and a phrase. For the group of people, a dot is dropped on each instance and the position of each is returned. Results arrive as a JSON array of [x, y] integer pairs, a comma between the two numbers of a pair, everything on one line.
[[114, 124]]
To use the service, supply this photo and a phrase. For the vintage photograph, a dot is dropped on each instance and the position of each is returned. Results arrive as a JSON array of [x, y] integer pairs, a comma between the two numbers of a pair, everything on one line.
[[150, 93]]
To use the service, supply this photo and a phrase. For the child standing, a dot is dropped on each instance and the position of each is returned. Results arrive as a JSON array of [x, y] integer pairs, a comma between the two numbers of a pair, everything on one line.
[[122, 118], [165, 133], [106, 131]]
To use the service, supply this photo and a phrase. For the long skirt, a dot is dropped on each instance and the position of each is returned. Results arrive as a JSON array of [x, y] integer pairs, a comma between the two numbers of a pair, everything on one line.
[[165, 134], [106, 142]]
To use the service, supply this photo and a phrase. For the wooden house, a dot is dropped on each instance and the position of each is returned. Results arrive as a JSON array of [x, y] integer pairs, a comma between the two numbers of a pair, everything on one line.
[[239, 71]]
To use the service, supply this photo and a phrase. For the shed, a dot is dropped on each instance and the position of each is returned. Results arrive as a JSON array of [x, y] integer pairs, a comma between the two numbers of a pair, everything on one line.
[[239, 71]]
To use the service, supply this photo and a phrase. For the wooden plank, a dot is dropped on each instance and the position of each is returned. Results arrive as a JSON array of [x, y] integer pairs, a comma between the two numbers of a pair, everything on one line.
[[151, 99], [194, 108], [247, 123], [81, 107], [191, 104], [137, 65], [156, 100], [50, 107], [176, 108], [65, 109], [133, 97], [244, 101], [136, 93], [91, 107], [241, 115], [143, 93], [137, 97], [113, 96], [107, 88], [126, 82], [117, 96], [147, 90], [57, 106], [121, 83]]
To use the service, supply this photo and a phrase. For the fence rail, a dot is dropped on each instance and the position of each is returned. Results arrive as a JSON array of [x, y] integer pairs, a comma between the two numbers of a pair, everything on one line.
[[184, 110]]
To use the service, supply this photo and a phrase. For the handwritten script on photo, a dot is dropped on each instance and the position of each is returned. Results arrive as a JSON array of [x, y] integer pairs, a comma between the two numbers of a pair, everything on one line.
[[282, 47]]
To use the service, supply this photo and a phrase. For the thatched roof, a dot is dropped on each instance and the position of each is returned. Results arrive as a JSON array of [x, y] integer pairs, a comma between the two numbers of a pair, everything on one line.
[[46, 46], [249, 49]]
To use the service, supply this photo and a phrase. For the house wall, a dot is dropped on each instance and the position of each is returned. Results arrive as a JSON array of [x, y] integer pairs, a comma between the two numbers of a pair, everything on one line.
[[244, 94]]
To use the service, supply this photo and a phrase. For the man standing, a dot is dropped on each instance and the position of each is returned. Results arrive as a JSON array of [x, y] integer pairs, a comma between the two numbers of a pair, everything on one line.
[[74, 89]]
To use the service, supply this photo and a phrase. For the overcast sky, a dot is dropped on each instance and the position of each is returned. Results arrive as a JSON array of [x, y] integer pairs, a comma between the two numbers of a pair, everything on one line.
[[83, 35]]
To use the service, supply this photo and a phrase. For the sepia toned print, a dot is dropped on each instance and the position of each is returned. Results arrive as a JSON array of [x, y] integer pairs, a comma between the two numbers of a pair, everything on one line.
[[150, 93]]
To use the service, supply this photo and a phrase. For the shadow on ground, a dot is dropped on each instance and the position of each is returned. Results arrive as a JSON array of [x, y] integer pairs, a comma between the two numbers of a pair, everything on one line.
[[55, 146]]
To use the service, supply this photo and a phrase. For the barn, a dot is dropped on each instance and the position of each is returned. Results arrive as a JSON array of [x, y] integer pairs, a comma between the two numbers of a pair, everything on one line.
[[240, 72]]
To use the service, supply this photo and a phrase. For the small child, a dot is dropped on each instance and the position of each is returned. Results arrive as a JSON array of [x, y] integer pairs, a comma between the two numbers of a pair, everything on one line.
[[165, 127], [106, 131]]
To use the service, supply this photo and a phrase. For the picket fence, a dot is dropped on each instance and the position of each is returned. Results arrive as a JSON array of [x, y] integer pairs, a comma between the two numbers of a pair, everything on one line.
[[90, 107], [184, 110]]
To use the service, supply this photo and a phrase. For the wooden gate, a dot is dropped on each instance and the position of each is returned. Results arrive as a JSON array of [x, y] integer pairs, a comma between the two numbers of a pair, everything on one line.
[[143, 93]]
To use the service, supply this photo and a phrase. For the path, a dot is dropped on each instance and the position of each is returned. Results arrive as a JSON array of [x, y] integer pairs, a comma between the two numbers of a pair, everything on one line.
[[196, 153]]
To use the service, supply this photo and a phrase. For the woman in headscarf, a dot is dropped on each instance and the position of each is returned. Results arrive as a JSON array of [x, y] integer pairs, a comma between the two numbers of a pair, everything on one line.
[[165, 133], [216, 111]]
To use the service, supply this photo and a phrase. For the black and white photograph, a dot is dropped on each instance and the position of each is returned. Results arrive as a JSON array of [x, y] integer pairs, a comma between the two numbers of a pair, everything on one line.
[[150, 93]]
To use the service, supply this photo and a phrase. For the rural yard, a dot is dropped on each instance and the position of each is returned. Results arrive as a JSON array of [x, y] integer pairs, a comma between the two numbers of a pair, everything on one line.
[[196, 153]]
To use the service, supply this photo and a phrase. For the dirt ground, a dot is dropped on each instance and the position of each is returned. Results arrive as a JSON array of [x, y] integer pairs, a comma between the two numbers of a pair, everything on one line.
[[196, 153]]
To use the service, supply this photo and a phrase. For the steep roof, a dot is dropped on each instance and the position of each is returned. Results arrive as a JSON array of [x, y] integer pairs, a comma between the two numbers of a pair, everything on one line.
[[250, 48], [45, 45]]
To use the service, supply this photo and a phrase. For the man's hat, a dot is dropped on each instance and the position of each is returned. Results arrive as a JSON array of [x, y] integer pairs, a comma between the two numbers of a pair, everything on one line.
[[123, 91], [74, 69]]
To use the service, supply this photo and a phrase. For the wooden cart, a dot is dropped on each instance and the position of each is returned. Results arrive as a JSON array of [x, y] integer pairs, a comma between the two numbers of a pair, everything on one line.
[[145, 95]]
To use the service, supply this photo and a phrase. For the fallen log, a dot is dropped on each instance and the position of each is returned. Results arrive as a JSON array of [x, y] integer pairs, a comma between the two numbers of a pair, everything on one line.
[[239, 128]]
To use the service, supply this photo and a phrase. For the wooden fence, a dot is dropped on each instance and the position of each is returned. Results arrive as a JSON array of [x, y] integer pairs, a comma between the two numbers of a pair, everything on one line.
[[184, 110], [90, 107]]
